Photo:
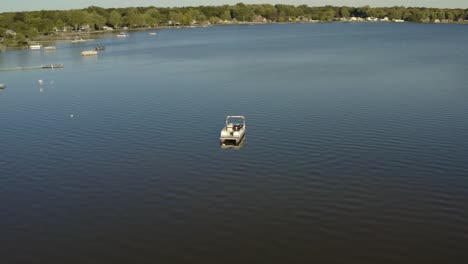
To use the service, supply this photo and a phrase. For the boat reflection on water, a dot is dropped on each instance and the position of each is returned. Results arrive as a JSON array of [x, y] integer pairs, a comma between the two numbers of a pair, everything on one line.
[[232, 144], [41, 85]]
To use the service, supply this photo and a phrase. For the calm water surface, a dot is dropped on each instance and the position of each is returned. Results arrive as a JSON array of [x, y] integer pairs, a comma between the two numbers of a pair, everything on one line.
[[356, 150]]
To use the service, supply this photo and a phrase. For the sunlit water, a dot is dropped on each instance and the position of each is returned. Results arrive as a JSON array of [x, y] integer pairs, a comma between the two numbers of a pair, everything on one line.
[[356, 148]]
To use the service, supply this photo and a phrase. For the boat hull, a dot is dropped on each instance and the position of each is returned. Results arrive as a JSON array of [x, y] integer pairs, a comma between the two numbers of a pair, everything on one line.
[[89, 53], [234, 137]]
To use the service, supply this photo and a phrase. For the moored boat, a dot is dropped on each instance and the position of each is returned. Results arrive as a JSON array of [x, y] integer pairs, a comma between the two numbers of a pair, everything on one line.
[[152, 33], [2, 86], [122, 35], [50, 48], [35, 47], [89, 53], [78, 40]]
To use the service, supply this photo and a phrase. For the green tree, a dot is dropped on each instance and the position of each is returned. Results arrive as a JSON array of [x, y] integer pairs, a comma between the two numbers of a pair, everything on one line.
[[243, 12], [450, 15], [226, 16], [153, 16], [59, 24], [21, 39], [344, 12], [186, 19], [133, 18], [95, 20], [214, 20], [76, 18], [114, 19], [270, 12], [31, 33], [327, 15], [175, 17], [441, 15]]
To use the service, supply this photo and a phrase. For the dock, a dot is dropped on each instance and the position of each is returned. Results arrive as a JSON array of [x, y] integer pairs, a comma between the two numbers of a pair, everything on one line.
[[43, 66]]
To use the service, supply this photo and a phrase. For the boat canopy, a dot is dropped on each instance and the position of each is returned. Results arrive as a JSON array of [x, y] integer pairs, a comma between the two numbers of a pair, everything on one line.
[[234, 117]]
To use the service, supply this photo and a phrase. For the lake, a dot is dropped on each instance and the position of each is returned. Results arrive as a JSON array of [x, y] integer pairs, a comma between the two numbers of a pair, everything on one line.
[[356, 147]]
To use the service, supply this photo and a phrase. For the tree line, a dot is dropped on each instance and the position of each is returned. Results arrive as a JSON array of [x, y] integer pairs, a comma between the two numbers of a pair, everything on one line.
[[16, 28]]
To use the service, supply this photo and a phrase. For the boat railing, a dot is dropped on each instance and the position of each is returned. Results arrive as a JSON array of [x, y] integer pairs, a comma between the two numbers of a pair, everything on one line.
[[235, 117]]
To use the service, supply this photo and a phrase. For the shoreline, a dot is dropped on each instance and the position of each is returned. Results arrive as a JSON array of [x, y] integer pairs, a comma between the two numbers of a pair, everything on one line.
[[70, 36]]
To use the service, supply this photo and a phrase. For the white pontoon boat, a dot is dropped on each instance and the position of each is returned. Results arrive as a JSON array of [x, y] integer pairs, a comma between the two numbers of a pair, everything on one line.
[[234, 131]]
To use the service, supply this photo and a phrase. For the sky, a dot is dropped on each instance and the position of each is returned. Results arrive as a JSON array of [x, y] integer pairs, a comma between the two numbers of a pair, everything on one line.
[[28, 5]]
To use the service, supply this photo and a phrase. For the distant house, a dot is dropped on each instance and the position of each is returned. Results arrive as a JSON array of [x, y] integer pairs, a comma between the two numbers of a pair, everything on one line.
[[172, 23], [219, 21], [64, 29], [259, 19], [356, 19], [302, 19], [85, 28], [398, 20], [205, 23], [106, 28]]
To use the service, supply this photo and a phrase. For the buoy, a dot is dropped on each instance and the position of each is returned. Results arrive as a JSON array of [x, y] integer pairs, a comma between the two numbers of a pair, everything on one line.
[[72, 116], [41, 82]]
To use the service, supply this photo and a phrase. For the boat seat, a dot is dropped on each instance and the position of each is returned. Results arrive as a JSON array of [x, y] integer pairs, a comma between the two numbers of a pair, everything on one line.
[[237, 127]]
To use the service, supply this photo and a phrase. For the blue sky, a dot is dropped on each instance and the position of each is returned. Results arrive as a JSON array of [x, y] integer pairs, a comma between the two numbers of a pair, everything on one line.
[[25, 5]]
